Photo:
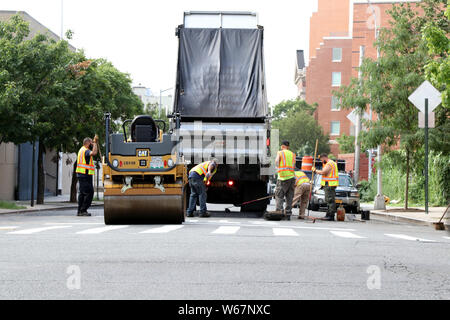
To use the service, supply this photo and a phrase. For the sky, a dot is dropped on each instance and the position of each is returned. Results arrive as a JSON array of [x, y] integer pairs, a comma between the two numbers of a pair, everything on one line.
[[138, 36]]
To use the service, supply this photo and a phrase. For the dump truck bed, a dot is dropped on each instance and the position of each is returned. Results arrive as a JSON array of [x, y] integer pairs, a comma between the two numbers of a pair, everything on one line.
[[221, 74]]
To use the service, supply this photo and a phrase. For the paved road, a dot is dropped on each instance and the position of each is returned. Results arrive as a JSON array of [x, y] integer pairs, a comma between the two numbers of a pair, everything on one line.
[[56, 255]]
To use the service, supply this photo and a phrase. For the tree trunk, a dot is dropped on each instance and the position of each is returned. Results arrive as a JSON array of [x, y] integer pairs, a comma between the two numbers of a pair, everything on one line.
[[73, 186], [407, 180], [41, 176]]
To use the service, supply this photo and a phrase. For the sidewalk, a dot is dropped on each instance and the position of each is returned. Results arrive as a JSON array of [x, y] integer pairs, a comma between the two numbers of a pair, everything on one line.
[[51, 203], [413, 215]]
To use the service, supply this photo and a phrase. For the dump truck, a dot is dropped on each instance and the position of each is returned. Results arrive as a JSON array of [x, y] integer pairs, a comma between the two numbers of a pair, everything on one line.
[[144, 179], [220, 105]]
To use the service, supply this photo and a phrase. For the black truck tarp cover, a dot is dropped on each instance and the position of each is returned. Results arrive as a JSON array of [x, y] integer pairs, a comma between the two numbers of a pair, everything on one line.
[[221, 74]]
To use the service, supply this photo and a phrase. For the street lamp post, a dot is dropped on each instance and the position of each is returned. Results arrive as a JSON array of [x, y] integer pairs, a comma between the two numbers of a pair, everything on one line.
[[62, 19], [379, 203], [160, 99]]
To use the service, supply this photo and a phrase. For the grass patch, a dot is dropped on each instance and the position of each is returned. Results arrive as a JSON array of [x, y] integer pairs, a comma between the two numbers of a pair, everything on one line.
[[10, 205]]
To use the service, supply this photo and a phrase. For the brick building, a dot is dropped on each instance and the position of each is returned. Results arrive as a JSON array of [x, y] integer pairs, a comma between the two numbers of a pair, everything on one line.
[[337, 30]]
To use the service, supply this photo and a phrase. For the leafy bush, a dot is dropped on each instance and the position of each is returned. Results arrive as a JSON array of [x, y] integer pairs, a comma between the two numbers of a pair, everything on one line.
[[394, 181]]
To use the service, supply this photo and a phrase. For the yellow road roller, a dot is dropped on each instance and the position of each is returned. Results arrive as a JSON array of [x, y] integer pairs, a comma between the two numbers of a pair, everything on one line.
[[144, 179]]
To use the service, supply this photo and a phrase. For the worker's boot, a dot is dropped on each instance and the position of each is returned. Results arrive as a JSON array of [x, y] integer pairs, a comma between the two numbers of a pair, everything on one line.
[[204, 215], [190, 214], [287, 216], [329, 217]]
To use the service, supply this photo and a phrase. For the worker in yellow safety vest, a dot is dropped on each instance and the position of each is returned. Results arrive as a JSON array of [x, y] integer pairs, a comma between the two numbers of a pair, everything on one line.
[[330, 181], [284, 191], [198, 177], [85, 171], [302, 187]]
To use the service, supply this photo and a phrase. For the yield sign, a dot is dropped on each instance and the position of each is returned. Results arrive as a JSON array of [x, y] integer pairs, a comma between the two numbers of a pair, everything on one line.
[[425, 91], [352, 117]]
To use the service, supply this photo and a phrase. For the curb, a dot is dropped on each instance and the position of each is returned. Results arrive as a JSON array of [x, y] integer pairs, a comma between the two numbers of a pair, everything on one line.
[[75, 206], [389, 217]]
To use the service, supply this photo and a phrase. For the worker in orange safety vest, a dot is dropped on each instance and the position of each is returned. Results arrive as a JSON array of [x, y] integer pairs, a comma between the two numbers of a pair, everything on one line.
[[284, 191], [198, 177], [85, 171], [302, 187], [330, 181]]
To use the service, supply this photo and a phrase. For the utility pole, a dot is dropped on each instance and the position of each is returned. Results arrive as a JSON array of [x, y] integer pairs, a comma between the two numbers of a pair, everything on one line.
[[33, 159], [160, 100], [62, 20], [358, 123]]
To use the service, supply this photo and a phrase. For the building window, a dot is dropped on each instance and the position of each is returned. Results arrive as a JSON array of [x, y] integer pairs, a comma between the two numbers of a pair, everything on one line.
[[335, 106], [336, 79], [335, 128], [337, 54]]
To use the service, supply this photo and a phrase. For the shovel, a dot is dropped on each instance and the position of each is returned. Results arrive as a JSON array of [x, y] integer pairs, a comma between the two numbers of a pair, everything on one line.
[[440, 225], [227, 210]]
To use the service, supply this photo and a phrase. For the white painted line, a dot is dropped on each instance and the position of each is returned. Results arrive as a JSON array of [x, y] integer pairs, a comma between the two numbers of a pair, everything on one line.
[[284, 232], [211, 222], [345, 234], [226, 230], [448, 238], [101, 230], [163, 229], [405, 237], [191, 220], [73, 223], [8, 228], [36, 230]]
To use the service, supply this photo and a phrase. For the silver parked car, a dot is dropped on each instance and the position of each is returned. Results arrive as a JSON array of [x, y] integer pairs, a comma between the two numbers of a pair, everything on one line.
[[346, 193]]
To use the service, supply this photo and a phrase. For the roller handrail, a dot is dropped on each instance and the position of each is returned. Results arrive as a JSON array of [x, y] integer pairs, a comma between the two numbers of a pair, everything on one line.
[[107, 123]]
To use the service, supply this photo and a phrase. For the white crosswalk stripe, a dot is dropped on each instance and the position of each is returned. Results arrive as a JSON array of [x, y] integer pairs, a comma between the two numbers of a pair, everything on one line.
[[346, 234], [448, 238], [406, 237], [163, 229], [101, 230], [284, 232], [36, 230], [226, 230], [8, 227]]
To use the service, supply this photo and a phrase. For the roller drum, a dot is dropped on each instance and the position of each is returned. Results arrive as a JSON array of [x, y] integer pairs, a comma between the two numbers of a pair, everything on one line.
[[144, 209]]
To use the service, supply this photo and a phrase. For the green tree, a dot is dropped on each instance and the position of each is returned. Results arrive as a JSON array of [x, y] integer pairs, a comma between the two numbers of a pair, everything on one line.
[[281, 110], [387, 83], [296, 124], [437, 71], [55, 95], [346, 143]]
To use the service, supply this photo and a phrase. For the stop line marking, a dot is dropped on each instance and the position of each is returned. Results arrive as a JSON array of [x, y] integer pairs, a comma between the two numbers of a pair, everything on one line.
[[36, 230]]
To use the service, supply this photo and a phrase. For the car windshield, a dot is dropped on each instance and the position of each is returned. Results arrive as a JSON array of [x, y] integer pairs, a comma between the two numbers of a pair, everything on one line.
[[344, 180]]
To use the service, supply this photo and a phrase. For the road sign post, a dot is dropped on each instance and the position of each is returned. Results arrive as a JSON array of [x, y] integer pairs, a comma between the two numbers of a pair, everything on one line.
[[426, 155], [426, 98]]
